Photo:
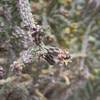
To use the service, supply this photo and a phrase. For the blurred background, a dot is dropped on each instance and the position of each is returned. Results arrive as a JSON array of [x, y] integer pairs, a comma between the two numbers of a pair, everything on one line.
[[70, 24]]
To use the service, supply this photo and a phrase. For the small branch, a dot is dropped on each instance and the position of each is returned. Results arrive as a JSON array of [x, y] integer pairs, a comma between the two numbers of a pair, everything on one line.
[[85, 44]]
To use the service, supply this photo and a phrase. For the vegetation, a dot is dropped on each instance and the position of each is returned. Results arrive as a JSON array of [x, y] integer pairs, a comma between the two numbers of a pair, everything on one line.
[[49, 50]]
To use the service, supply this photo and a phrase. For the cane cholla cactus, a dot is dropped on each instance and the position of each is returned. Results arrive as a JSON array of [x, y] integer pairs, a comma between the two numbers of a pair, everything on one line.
[[52, 55], [26, 56], [25, 37], [25, 13], [28, 21]]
